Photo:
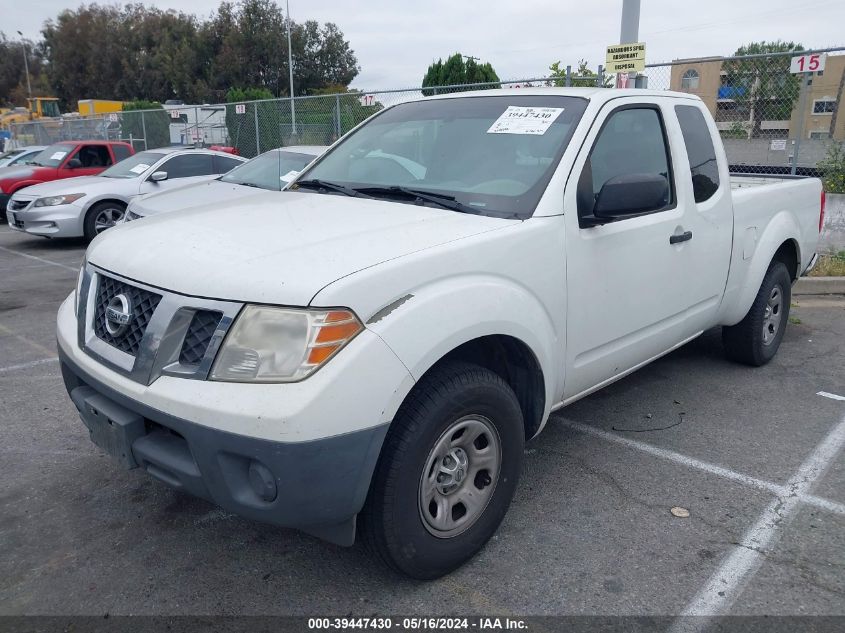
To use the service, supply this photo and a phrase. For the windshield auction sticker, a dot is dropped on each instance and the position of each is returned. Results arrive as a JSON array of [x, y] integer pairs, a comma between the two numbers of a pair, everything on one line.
[[524, 120], [140, 168]]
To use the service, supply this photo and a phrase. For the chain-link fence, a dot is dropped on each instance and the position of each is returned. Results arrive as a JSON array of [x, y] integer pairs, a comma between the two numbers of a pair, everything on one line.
[[771, 119]]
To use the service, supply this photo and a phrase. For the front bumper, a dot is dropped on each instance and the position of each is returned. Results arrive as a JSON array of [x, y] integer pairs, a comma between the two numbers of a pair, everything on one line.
[[316, 486], [64, 220]]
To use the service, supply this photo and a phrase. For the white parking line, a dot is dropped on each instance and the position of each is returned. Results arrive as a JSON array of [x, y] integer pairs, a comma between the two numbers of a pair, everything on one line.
[[34, 363], [832, 396], [727, 583], [713, 469], [40, 259]]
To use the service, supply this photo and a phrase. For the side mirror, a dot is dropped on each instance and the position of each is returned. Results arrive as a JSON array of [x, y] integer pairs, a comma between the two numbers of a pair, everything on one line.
[[158, 176], [630, 194], [74, 163]]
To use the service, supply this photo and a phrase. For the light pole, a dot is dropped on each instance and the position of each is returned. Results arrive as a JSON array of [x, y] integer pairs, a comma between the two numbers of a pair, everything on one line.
[[629, 34], [290, 72], [26, 66]]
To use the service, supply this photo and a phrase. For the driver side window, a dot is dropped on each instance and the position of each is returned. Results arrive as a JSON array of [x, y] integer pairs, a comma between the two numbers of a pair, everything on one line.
[[632, 145]]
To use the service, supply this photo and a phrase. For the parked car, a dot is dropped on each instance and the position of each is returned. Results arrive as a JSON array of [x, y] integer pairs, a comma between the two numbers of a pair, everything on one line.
[[20, 155], [271, 170], [89, 205], [68, 159], [375, 347]]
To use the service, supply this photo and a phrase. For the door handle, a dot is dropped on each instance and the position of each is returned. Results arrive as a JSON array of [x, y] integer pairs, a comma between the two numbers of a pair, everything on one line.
[[682, 237]]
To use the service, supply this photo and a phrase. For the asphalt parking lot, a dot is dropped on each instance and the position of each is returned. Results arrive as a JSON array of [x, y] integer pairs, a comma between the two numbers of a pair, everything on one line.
[[754, 455]]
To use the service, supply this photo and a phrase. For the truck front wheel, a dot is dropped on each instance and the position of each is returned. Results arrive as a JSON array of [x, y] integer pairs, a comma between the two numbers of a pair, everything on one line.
[[755, 339], [447, 472]]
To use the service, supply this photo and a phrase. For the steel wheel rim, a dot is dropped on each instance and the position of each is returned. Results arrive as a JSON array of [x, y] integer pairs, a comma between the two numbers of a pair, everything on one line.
[[459, 476], [772, 315], [107, 218]]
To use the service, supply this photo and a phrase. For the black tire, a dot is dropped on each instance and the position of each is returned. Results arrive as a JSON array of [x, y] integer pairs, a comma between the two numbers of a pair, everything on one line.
[[89, 226], [392, 521], [746, 341]]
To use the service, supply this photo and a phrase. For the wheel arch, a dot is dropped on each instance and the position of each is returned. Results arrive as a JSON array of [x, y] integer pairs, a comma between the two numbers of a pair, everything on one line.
[[513, 361]]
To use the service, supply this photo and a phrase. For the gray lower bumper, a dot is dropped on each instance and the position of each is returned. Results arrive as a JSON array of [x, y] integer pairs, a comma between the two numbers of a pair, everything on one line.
[[317, 487]]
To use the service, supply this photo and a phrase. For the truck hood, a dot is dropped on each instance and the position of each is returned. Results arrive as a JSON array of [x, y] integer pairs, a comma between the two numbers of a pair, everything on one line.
[[275, 247], [89, 185], [193, 195]]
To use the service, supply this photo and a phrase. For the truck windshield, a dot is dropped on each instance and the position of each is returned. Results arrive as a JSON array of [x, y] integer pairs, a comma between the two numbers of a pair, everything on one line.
[[53, 156], [133, 166], [272, 170], [486, 155]]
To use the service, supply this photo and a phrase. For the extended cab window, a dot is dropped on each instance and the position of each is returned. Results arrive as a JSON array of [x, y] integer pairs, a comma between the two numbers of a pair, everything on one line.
[[702, 155], [188, 165], [630, 152]]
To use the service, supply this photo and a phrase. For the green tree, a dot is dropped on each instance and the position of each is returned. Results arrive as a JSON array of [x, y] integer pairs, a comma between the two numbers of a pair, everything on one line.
[[763, 85], [455, 71], [135, 51], [581, 77], [13, 87]]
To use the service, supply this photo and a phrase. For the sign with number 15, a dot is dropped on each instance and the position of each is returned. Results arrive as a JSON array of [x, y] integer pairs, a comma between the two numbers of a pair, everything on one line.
[[807, 63]]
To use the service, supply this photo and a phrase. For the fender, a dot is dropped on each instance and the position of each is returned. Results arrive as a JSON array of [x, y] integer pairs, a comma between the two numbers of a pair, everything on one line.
[[105, 197], [749, 268], [438, 317]]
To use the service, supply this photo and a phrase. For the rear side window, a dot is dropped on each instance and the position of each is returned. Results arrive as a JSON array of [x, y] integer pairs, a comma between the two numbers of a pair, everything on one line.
[[223, 164], [702, 155], [188, 165], [121, 152]]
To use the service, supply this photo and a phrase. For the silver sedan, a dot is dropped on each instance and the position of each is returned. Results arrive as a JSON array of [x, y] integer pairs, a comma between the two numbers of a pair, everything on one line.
[[88, 205]]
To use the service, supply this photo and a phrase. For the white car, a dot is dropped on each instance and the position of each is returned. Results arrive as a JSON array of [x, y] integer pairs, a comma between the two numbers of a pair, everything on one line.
[[369, 352], [271, 170], [88, 205], [20, 155]]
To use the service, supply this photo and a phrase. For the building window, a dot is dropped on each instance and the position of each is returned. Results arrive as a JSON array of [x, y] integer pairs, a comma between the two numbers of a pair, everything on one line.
[[824, 106], [819, 136], [689, 81]]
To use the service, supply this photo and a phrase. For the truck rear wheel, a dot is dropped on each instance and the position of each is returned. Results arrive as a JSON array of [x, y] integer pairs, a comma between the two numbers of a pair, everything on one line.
[[447, 471], [755, 339]]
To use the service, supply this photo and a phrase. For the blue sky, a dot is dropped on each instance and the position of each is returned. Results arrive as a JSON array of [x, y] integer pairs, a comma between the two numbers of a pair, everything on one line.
[[395, 40]]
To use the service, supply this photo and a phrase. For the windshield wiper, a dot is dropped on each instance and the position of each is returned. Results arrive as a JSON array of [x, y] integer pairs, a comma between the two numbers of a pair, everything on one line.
[[329, 186], [244, 184], [442, 199]]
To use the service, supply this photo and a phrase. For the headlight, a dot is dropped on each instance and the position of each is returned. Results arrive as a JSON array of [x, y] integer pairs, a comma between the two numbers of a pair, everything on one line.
[[267, 344], [131, 215], [53, 201]]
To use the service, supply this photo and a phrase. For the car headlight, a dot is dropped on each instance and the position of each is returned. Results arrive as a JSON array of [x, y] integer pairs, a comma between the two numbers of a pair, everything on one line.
[[268, 344], [131, 215], [53, 201]]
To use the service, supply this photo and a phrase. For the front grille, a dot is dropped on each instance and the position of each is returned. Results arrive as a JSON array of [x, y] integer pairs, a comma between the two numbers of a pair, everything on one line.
[[199, 334], [143, 303], [17, 205]]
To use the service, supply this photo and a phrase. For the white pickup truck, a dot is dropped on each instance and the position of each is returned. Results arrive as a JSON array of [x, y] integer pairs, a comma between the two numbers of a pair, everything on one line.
[[372, 349]]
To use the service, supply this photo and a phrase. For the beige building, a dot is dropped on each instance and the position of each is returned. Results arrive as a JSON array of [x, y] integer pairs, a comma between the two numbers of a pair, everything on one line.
[[727, 98]]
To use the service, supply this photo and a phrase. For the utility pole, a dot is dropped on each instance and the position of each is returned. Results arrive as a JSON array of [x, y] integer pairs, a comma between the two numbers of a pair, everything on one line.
[[26, 66], [629, 33], [290, 71]]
